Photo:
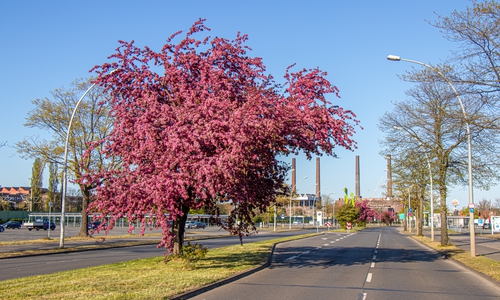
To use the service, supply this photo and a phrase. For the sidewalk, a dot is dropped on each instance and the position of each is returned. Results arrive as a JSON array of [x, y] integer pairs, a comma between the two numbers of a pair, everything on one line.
[[487, 247]]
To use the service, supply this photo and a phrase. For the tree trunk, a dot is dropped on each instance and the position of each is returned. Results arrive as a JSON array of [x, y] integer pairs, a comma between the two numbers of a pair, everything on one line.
[[421, 215], [84, 231], [444, 225], [405, 221], [179, 229]]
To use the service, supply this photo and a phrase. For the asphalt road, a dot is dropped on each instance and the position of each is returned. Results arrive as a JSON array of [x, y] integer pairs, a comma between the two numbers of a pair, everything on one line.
[[376, 263], [45, 264]]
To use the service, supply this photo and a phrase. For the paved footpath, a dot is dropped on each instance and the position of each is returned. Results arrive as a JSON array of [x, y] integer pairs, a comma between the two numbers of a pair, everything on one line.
[[485, 246]]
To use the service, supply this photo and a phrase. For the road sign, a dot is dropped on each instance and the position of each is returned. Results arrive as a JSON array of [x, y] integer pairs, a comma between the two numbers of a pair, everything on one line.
[[349, 225], [282, 216], [472, 205], [328, 224], [454, 202]]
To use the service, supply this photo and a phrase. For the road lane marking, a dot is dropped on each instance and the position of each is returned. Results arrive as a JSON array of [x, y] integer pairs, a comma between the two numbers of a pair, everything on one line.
[[318, 247], [362, 296], [369, 277], [372, 265]]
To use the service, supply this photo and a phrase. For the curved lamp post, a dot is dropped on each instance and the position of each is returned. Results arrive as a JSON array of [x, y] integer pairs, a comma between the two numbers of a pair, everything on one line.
[[430, 178], [291, 194], [469, 147], [65, 168]]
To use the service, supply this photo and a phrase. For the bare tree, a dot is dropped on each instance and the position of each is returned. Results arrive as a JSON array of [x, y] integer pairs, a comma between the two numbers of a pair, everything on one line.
[[477, 31], [431, 119], [91, 123]]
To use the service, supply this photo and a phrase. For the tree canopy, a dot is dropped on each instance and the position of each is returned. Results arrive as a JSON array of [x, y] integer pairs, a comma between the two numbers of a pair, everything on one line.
[[200, 123]]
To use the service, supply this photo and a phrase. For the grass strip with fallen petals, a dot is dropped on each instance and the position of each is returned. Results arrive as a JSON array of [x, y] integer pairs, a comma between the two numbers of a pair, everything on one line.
[[143, 278], [484, 265]]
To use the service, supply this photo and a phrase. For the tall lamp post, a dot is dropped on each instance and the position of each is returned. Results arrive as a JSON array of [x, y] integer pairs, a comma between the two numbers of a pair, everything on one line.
[[430, 178], [290, 206], [469, 146], [65, 168]]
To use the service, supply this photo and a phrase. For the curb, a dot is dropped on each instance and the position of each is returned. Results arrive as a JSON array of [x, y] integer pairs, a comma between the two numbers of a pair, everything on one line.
[[222, 282]]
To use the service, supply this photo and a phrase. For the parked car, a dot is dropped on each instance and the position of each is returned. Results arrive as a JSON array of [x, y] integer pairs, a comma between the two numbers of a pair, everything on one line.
[[46, 225], [190, 224], [487, 226], [2, 228], [39, 224], [199, 225], [95, 225], [12, 225]]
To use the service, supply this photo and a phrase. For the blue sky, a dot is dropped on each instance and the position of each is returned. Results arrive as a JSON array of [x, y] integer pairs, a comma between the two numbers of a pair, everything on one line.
[[48, 44]]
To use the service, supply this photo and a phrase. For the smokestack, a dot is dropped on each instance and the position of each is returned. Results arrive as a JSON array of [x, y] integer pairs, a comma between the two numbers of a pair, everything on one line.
[[358, 188], [318, 187], [389, 177], [294, 176]]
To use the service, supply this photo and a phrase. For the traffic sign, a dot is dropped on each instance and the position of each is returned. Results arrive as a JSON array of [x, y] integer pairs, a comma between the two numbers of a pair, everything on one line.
[[472, 205], [349, 225], [328, 224]]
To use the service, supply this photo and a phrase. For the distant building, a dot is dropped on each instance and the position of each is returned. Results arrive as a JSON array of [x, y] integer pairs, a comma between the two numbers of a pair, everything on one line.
[[19, 197]]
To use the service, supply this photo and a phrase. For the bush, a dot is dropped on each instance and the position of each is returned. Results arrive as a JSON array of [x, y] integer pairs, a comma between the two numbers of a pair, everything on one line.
[[190, 253], [347, 213]]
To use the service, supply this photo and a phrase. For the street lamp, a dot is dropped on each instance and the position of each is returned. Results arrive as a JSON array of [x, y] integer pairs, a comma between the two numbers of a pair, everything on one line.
[[290, 206], [65, 165], [430, 178], [469, 147]]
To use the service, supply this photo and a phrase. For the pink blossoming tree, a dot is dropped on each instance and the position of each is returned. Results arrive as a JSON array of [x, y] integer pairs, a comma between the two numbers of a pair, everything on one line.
[[200, 123], [366, 214]]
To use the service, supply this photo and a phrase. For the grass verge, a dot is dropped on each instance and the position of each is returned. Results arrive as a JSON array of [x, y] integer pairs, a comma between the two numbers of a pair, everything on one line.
[[143, 278], [484, 265]]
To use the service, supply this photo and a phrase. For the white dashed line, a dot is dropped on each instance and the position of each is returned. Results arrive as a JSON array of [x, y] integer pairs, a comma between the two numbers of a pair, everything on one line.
[[369, 277]]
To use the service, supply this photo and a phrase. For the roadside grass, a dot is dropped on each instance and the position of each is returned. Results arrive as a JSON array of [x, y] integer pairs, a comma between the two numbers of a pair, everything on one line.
[[495, 236], [78, 248], [78, 238], [484, 265], [98, 245], [143, 278]]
